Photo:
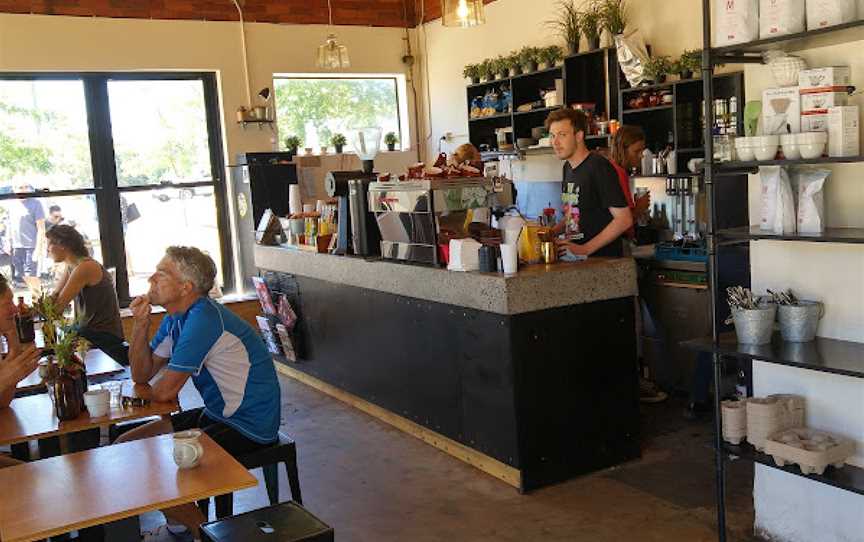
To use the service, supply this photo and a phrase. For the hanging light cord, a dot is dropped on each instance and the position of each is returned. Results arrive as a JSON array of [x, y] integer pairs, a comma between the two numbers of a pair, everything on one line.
[[330, 12], [245, 60]]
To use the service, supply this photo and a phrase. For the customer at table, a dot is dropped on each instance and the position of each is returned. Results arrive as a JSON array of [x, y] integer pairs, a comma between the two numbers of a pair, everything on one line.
[[227, 360], [86, 282], [595, 211]]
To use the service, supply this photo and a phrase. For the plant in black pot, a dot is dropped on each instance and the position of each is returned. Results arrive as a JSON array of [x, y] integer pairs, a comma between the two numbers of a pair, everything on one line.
[[391, 139], [657, 68], [292, 143], [528, 59], [471, 72], [591, 23], [338, 141], [568, 24], [690, 64]]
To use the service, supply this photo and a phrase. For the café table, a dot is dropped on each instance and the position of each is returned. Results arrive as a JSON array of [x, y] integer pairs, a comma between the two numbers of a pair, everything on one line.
[[98, 363], [103, 485], [33, 417]]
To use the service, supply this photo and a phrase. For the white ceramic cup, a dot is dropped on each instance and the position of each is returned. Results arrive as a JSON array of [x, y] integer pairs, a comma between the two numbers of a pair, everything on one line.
[[509, 258], [187, 449], [97, 402]]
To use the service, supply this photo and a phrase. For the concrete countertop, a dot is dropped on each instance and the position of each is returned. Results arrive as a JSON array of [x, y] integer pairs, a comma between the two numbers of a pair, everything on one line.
[[534, 288]]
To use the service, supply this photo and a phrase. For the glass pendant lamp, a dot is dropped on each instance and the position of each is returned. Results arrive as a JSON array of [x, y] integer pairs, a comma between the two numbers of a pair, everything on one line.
[[332, 55], [464, 13]]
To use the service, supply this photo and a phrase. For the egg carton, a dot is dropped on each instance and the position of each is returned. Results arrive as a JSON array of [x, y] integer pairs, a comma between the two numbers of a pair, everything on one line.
[[810, 449]]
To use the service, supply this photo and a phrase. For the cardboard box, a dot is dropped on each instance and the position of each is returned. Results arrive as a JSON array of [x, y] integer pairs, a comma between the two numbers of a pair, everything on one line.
[[824, 78], [825, 13], [781, 106], [821, 101], [814, 122], [844, 131]]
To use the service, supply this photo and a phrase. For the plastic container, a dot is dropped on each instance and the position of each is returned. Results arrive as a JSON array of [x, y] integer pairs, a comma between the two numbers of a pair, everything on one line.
[[798, 323]]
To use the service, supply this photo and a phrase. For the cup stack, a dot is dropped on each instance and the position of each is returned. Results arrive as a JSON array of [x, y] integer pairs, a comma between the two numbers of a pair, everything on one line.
[[734, 421], [769, 415]]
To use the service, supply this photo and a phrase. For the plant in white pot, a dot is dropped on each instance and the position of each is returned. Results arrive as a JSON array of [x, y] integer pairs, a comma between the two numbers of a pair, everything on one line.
[[514, 64], [568, 25], [528, 58], [471, 72]]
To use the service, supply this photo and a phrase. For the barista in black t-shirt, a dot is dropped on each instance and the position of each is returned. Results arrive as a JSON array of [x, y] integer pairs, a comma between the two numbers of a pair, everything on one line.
[[595, 211]]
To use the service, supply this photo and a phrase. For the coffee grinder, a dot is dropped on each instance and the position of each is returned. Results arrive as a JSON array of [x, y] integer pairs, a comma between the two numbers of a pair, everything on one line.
[[357, 230]]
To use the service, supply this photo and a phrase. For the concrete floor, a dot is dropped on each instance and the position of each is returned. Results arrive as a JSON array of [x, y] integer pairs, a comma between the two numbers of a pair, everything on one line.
[[371, 482]]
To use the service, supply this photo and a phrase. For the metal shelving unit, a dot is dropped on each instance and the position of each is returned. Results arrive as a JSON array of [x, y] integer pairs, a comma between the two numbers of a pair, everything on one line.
[[825, 355]]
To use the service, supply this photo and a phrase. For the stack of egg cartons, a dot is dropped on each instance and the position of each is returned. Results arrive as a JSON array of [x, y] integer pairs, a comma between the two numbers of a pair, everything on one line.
[[769, 415], [734, 421]]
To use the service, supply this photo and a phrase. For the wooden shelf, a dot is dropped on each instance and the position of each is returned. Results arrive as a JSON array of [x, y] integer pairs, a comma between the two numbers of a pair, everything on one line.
[[491, 117], [824, 355], [830, 235], [727, 166], [648, 109], [793, 42], [849, 477], [541, 110]]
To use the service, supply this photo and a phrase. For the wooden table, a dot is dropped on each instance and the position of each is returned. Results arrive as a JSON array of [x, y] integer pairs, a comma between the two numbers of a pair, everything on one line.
[[84, 489], [98, 364], [31, 418]]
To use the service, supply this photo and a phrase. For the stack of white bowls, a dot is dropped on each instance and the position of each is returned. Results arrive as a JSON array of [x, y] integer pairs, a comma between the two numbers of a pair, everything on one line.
[[789, 146], [744, 148], [765, 147], [811, 144]]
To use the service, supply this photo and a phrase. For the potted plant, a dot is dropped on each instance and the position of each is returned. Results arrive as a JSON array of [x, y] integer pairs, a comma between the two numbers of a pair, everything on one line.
[[568, 24], [550, 56], [292, 143], [514, 64], [657, 68], [690, 64], [591, 23], [528, 59], [338, 141], [391, 139], [486, 71], [471, 72], [500, 68], [613, 14]]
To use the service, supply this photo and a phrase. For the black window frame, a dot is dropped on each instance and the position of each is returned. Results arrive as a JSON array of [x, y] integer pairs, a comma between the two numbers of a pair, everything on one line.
[[105, 190]]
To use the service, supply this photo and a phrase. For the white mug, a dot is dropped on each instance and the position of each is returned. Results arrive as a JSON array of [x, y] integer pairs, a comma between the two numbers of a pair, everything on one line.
[[187, 449]]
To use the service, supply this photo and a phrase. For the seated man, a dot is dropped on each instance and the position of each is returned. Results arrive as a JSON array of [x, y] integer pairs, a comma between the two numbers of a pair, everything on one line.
[[227, 360], [18, 363]]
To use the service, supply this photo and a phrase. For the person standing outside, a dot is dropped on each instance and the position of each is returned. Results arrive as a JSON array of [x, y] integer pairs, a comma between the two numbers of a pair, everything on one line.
[[27, 219], [596, 213]]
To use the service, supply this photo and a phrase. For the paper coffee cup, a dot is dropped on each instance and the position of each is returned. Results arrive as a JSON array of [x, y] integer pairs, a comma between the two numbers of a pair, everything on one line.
[[97, 402]]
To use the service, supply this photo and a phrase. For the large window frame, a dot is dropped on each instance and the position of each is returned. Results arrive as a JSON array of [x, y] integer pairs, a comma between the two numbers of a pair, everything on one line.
[[105, 190], [402, 106]]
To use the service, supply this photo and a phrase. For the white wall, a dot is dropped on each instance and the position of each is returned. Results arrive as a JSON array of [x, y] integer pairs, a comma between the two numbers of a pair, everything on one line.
[[791, 508]]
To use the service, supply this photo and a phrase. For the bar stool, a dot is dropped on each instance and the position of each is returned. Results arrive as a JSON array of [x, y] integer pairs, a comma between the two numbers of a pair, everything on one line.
[[286, 522], [268, 459]]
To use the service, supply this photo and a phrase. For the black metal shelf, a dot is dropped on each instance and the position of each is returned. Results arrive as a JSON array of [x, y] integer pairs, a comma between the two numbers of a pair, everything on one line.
[[823, 37], [849, 478], [830, 235], [649, 109], [823, 355], [589, 52], [490, 117], [487, 83], [604, 136], [538, 72], [690, 150], [540, 110], [727, 166]]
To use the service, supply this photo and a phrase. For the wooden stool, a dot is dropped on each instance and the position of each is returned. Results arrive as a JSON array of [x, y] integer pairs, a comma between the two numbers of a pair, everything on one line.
[[286, 522], [285, 451]]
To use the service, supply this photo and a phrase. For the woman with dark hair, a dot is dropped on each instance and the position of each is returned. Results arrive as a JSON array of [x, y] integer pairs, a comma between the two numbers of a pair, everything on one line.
[[89, 285]]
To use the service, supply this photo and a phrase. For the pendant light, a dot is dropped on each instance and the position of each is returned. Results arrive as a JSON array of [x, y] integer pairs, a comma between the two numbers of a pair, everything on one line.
[[462, 13], [331, 55]]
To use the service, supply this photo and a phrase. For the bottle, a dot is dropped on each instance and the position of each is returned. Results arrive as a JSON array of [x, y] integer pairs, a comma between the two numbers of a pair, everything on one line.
[[23, 310], [741, 385]]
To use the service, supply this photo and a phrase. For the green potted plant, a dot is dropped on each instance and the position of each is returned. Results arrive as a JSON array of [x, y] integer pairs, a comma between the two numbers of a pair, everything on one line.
[[568, 24], [391, 139], [549, 56], [471, 72], [613, 14], [528, 59], [292, 143], [591, 23], [338, 141], [500, 68], [657, 68], [690, 64], [514, 64], [486, 71]]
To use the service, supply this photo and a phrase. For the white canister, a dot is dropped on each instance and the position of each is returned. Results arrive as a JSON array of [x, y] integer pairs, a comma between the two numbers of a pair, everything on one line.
[[187, 449], [509, 258]]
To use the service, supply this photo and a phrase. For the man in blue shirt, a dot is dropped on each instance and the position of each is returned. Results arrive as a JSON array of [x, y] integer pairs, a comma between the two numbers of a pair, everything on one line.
[[227, 360]]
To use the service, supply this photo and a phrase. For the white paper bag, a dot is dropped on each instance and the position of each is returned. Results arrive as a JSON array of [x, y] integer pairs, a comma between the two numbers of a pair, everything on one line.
[[778, 201], [781, 17], [811, 200], [824, 13], [737, 21]]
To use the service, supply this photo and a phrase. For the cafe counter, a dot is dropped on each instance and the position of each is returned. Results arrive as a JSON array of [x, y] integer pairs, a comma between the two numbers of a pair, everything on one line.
[[531, 377]]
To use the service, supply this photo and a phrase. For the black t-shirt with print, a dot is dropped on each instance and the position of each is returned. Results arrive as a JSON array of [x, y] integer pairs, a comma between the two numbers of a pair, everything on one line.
[[587, 194]]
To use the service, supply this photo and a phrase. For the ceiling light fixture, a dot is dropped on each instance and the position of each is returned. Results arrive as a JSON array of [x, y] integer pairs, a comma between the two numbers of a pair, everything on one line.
[[462, 13], [331, 55]]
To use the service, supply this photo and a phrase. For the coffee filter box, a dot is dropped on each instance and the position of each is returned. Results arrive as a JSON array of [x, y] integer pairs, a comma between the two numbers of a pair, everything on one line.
[[824, 79], [737, 21], [821, 101], [781, 107], [814, 122], [844, 131]]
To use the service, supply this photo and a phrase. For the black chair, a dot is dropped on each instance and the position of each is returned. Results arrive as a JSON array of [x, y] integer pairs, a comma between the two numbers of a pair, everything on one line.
[[286, 522], [268, 459]]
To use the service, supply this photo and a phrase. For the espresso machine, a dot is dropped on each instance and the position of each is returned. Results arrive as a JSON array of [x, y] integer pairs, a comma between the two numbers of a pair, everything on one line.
[[412, 214], [356, 231]]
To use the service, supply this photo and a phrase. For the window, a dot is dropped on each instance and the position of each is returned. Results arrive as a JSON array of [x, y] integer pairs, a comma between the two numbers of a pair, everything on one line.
[[131, 160], [316, 107]]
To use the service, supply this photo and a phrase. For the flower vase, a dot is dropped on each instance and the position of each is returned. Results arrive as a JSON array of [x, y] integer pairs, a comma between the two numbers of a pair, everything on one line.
[[67, 394]]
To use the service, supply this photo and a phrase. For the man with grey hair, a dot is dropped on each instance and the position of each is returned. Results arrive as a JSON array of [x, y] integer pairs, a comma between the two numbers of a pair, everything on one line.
[[227, 360]]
